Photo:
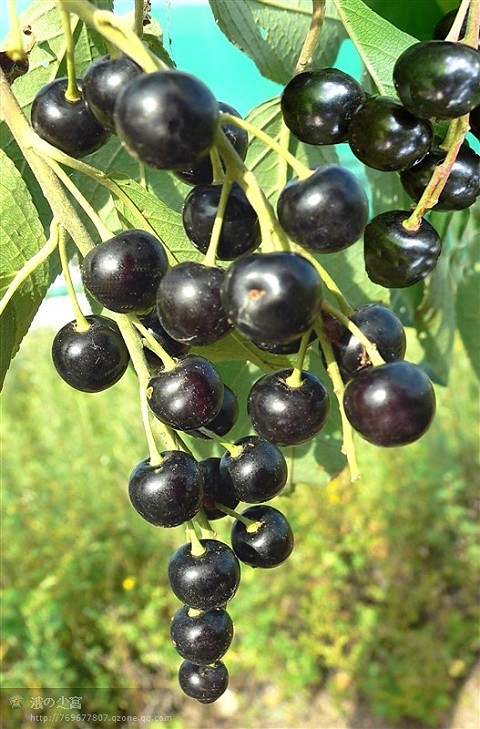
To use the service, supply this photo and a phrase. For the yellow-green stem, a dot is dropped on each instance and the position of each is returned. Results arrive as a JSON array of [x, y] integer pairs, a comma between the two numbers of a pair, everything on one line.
[[72, 93], [344, 305], [82, 324], [251, 524], [117, 31], [296, 378], [348, 446], [16, 51], [201, 520], [300, 169], [211, 254], [138, 17], [197, 547], [374, 355], [311, 39], [168, 361]]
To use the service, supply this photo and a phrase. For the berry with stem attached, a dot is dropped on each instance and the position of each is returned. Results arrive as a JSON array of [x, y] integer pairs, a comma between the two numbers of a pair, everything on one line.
[[201, 637], [204, 683], [287, 414], [207, 580], [463, 183], [216, 489], [90, 359], [187, 396], [67, 125], [396, 257], [255, 469], [240, 231], [267, 542], [168, 493]]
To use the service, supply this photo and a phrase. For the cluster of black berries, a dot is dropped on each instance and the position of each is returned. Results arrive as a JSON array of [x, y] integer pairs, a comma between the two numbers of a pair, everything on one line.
[[434, 80], [275, 300]]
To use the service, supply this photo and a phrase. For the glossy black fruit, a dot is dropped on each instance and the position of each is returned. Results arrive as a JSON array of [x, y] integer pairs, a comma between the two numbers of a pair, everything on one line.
[[390, 405], [325, 212], [103, 81], [257, 473], [68, 125], [208, 580], [166, 119], [204, 683], [189, 303], [443, 27], [201, 173], [90, 360], [384, 135], [123, 273], [317, 106], [438, 79], [226, 418], [169, 493], [268, 543], [215, 488], [396, 257], [379, 324], [240, 232], [286, 415], [188, 396], [272, 297], [463, 183], [203, 637]]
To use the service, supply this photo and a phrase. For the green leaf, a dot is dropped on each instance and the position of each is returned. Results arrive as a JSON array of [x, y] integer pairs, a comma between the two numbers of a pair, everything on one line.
[[467, 308], [22, 236], [411, 17], [272, 33], [147, 212], [378, 42]]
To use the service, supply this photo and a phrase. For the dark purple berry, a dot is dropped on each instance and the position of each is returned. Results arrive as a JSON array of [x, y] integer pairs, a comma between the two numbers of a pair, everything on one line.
[[201, 637], [267, 542], [256, 471], [204, 683], [103, 81], [390, 405], [216, 489], [90, 360], [123, 273], [325, 212]]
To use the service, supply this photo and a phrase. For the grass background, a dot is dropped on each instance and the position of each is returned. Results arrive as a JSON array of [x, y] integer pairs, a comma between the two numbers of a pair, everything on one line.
[[378, 600]]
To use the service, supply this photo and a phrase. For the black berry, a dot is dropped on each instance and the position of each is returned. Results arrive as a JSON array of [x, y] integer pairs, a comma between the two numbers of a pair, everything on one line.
[[204, 683], [167, 494], [325, 212], [317, 106], [240, 232], [123, 273], [287, 415], [102, 82], [268, 542], [272, 297], [463, 183], [68, 125], [90, 360], [201, 637], [204, 581], [386, 136], [396, 257], [255, 474], [216, 488], [166, 119], [189, 303], [390, 405], [187, 396], [438, 79]]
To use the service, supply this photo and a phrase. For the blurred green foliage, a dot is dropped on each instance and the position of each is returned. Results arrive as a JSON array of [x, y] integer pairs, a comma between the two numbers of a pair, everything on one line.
[[378, 599]]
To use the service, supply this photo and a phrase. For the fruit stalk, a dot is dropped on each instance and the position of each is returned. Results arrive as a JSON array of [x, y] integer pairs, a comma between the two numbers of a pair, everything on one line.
[[72, 93], [311, 39]]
